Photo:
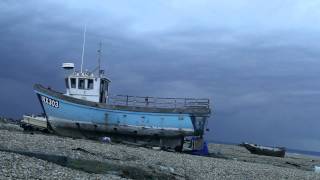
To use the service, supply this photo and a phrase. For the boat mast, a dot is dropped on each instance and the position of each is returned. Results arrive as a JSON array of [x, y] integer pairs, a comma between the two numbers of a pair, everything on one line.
[[83, 45], [99, 58]]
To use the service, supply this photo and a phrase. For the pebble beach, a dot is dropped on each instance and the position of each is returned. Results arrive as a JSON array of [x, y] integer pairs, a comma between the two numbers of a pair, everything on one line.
[[24, 155]]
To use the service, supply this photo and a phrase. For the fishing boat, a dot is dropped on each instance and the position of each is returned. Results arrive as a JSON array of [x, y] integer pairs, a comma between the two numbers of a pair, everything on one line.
[[264, 150], [87, 110]]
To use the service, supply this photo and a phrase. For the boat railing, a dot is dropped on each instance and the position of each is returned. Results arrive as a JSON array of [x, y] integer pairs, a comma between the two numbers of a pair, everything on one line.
[[157, 102]]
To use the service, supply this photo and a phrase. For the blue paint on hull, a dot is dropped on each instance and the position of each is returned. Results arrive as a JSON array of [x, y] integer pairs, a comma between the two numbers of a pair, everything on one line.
[[141, 123]]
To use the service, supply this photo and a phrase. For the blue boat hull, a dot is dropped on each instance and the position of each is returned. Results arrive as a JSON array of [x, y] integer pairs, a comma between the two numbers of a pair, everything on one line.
[[67, 117]]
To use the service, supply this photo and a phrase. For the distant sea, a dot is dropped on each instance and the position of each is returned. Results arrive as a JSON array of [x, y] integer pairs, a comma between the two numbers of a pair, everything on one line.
[[311, 153], [302, 152]]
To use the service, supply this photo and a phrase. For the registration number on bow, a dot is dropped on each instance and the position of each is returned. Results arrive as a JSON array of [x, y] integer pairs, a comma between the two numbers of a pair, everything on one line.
[[50, 102]]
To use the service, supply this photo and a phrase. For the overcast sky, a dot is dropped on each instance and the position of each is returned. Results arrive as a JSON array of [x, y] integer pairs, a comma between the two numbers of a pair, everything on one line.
[[258, 61]]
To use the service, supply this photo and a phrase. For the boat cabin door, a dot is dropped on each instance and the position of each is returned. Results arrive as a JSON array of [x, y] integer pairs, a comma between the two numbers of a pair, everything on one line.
[[103, 91]]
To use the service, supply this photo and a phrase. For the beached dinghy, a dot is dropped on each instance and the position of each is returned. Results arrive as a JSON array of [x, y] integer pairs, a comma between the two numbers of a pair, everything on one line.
[[32, 122], [263, 150], [86, 110]]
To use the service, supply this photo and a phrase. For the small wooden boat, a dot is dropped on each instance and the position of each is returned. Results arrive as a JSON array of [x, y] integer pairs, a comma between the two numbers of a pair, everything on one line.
[[263, 150], [32, 122]]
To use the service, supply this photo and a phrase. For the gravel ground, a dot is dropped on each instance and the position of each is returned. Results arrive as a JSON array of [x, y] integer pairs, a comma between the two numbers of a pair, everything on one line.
[[242, 154], [10, 127], [14, 166], [183, 166]]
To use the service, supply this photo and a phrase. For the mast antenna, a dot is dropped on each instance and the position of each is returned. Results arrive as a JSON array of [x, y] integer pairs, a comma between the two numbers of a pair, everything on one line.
[[83, 45], [99, 58]]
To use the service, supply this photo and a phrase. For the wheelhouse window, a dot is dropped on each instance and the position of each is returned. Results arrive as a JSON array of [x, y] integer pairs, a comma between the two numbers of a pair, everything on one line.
[[67, 83], [81, 84], [73, 83], [90, 84]]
